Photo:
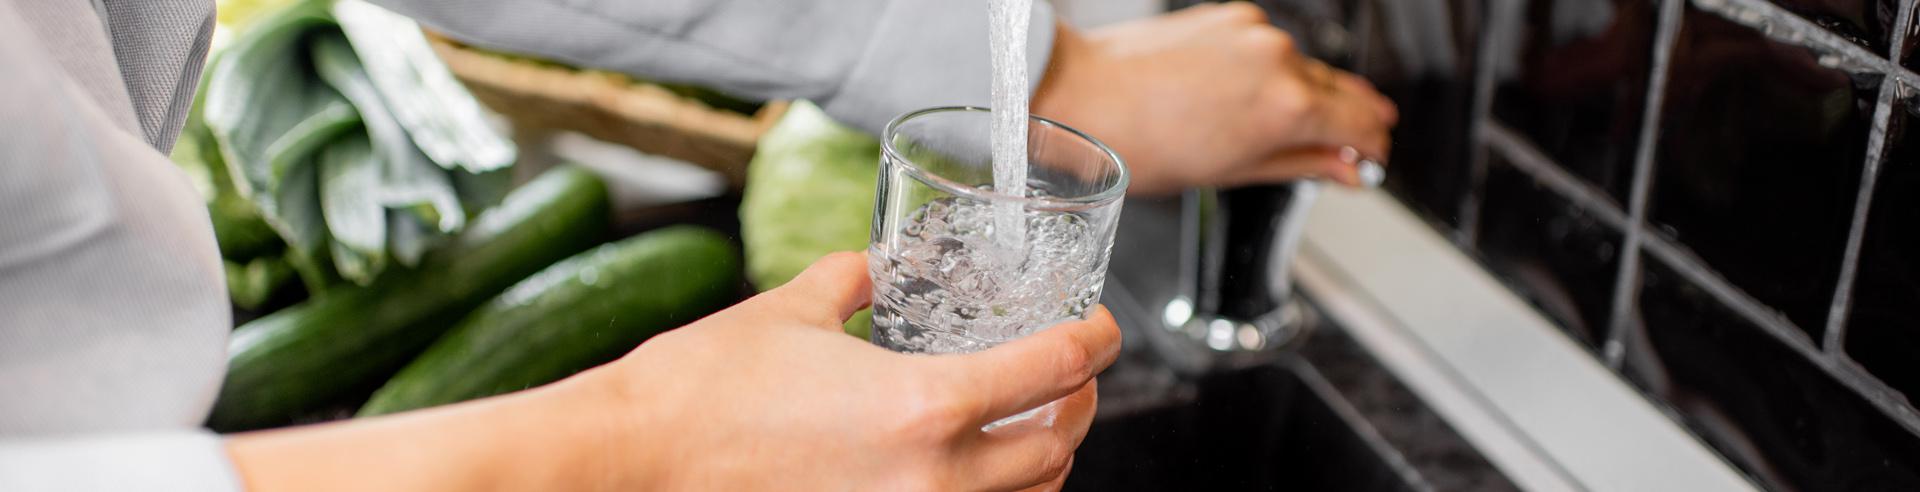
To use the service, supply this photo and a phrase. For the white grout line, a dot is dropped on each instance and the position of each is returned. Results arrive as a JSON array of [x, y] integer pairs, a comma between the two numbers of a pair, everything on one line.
[[1687, 264], [1783, 26], [1835, 339], [1890, 402], [1836, 334], [1626, 281], [1527, 158], [1480, 114]]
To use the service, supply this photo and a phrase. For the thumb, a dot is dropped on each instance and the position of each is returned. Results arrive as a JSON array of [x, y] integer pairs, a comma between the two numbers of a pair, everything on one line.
[[1038, 368], [831, 290]]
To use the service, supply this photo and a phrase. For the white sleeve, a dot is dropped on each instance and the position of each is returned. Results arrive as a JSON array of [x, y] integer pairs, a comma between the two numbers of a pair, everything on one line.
[[863, 61], [113, 318], [164, 460]]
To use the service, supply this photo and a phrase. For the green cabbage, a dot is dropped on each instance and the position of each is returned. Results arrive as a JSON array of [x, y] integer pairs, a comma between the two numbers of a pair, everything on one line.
[[809, 193]]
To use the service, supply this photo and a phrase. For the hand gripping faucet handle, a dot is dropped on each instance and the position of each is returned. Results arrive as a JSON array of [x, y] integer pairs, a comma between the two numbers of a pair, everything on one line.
[[1371, 172]]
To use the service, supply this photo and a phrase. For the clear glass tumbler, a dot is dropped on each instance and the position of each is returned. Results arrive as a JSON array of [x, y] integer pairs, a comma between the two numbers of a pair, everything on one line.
[[944, 280]]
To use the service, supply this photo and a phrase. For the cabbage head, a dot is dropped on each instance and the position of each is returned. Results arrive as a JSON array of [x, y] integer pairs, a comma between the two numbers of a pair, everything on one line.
[[809, 193]]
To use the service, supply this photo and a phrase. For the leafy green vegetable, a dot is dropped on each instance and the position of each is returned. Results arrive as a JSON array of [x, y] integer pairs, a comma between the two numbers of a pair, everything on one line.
[[304, 228], [421, 93], [411, 181], [302, 148], [350, 202], [809, 192], [255, 269], [331, 116], [324, 348], [260, 90], [268, 115], [408, 238], [237, 225]]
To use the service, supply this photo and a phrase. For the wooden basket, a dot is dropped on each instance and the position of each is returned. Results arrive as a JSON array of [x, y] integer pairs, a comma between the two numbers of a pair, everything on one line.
[[611, 107]]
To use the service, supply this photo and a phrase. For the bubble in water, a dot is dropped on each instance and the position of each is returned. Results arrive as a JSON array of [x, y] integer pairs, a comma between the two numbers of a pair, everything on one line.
[[945, 286]]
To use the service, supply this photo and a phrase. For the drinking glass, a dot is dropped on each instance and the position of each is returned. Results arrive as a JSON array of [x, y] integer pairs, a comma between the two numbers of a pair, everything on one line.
[[945, 280]]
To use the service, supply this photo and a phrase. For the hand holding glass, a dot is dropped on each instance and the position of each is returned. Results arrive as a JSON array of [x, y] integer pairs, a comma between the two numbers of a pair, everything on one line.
[[944, 281]]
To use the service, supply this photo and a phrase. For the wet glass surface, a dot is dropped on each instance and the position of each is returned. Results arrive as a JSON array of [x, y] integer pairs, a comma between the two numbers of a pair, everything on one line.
[[1573, 78], [1766, 407], [1883, 326], [1758, 163], [1561, 258]]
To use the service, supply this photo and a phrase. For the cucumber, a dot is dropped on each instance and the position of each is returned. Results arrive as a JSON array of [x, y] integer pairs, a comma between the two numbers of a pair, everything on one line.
[[316, 352], [576, 314]]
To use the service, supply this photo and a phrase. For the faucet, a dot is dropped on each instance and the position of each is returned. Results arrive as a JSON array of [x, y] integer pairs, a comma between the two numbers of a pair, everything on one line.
[[1235, 299]]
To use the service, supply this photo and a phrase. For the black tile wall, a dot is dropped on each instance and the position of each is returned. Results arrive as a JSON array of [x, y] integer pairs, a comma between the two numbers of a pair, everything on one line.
[[1757, 157], [1574, 80], [1909, 44], [1758, 163], [1422, 55], [1767, 408], [1561, 257], [1883, 329]]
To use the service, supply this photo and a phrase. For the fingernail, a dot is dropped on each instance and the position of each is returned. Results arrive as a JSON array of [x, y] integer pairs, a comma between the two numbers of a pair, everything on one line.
[[1349, 155], [1369, 172]]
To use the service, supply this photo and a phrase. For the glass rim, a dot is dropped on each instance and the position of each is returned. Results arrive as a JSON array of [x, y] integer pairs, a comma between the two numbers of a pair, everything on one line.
[[1110, 194]]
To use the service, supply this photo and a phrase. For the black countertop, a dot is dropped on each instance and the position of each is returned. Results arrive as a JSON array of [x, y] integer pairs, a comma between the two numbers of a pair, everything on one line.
[[1424, 446], [1420, 446], [1439, 454]]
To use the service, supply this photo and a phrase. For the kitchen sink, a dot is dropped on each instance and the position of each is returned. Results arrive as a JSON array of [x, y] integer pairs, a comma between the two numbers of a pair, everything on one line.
[[1168, 422], [1272, 427]]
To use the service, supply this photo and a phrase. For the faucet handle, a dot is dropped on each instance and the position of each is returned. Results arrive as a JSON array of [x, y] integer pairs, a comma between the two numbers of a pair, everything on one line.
[[1236, 298]]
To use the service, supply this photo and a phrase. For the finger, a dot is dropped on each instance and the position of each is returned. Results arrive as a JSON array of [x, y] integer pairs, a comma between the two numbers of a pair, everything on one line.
[[1355, 84], [1232, 12], [830, 290], [1339, 119], [1305, 113], [1039, 368], [1267, 43], [1296, 164], [1035, 451], [1362, 95], [1318, 74]]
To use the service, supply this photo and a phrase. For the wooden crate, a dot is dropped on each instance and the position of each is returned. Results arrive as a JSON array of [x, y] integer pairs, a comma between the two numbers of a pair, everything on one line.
[[612, 107]]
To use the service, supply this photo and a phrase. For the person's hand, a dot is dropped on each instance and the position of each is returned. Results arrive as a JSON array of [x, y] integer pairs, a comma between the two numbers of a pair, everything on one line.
[[1213, 95], [770, 395], [766, 395]]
